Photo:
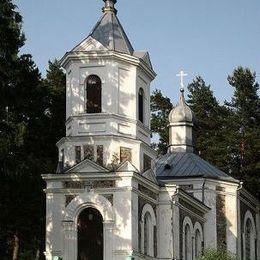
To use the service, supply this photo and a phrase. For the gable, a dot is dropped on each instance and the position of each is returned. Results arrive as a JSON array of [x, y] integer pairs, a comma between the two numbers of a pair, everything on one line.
[[147, 60], [150, 175], [89, 44], [87, 166], [145, 57], [126, 166]]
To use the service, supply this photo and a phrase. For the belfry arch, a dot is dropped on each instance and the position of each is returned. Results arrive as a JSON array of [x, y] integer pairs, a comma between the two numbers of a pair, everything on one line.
[[80, 209], [90, 235]]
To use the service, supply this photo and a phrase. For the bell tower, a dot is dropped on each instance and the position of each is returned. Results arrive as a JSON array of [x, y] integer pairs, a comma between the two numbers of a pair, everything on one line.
[[107, 98]]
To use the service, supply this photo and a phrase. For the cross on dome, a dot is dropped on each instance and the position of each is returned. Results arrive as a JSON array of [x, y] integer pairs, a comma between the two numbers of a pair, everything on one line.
[[182, 74]]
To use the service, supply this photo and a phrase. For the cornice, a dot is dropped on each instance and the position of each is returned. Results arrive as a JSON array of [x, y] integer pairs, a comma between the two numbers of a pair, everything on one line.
[[93, 55]]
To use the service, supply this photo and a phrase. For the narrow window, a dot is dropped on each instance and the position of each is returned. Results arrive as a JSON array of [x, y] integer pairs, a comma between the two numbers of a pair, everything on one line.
[[147, 162], [148, 231], [147, 235], [187, 243], [77, 154], [198, 243], [100, 154], [93, 90], [125, 154], [249, 241], [62, 158], [89, 152], [141, 105]]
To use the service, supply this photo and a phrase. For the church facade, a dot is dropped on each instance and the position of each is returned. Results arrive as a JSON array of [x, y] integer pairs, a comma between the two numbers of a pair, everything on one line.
[[111, 198]]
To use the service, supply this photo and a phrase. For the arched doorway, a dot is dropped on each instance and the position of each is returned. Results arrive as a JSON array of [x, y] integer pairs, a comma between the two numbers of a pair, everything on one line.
[[90, 235]]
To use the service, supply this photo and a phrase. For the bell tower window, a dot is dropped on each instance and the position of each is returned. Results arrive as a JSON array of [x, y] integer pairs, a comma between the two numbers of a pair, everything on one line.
[[141, 105], [93, 94]]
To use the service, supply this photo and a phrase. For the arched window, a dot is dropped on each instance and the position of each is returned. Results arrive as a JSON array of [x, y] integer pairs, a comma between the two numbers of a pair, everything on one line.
[[187, 238], [249, 237], [198, 244], [141, 105], [93, 94], [198, 239], [148, 223], [90, 235]]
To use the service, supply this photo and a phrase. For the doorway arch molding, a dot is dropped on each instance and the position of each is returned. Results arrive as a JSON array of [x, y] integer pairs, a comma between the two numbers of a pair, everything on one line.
[[72, 211]]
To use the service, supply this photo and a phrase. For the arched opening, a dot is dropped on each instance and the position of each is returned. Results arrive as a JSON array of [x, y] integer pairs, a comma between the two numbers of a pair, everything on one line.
[[187, 243], [148, 231], [93, 89], [198, 243], [147, 227], [90, 235], [141, 105], [249, 241]]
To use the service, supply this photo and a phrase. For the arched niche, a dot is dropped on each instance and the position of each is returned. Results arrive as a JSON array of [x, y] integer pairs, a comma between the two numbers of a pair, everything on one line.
[[187, 233], [249, 237], [148, 223]]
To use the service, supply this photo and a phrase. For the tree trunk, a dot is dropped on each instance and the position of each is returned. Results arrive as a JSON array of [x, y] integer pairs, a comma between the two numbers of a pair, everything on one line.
[[37, 256], [16, 247]]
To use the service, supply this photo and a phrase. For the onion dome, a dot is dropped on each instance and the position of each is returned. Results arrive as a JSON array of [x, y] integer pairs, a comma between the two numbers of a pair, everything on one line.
[[182, 112]]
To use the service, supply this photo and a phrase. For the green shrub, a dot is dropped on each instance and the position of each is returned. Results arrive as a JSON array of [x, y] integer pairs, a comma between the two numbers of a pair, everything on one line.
[[220, 254]]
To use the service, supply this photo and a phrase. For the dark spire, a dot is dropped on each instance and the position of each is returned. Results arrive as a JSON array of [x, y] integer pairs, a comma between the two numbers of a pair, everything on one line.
[[109, 6]]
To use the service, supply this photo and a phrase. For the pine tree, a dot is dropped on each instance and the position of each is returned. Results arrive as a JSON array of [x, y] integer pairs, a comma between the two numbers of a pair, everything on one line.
[[56, 83], [210, 127], [160, 109], [244, 128], [21, 110]]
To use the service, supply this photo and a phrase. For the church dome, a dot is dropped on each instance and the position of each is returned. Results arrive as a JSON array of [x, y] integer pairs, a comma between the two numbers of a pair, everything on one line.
[[182, 112]]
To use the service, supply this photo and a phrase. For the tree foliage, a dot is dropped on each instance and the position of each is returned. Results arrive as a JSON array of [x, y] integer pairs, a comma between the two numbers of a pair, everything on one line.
[[160, 109], [31, 122], [211, 123], [220, 254], [244, 128]]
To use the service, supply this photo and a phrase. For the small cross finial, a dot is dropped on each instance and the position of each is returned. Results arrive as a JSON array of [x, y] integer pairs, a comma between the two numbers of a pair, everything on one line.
[[182, 74]]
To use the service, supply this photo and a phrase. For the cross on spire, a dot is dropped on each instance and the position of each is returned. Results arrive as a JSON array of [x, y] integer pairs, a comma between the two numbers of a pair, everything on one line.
[[182, 74]]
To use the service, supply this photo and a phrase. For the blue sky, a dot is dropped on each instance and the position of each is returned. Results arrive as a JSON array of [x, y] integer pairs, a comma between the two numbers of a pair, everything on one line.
[[202, 37]]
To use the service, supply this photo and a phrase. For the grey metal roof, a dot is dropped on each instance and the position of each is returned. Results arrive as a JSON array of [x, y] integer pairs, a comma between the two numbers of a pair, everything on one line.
[[177, 165], [110, 33]]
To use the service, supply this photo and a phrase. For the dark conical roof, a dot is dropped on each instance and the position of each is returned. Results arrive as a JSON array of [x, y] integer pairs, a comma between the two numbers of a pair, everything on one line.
[[110, 33]]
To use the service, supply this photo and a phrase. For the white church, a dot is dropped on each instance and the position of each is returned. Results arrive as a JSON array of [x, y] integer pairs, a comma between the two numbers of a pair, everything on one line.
[[111, 198]]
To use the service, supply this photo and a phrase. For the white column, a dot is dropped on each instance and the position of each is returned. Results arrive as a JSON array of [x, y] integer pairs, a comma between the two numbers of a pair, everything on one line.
[[239, 230], [70, 241], [165, 239], [123, 221], [135, 220], [258, 233], [231, 221], [176, 231], [211, 223], [108, 240], [54, 207]]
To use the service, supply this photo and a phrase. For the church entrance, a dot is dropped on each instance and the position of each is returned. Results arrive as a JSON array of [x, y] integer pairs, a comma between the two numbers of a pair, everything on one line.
[[90, 235]]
